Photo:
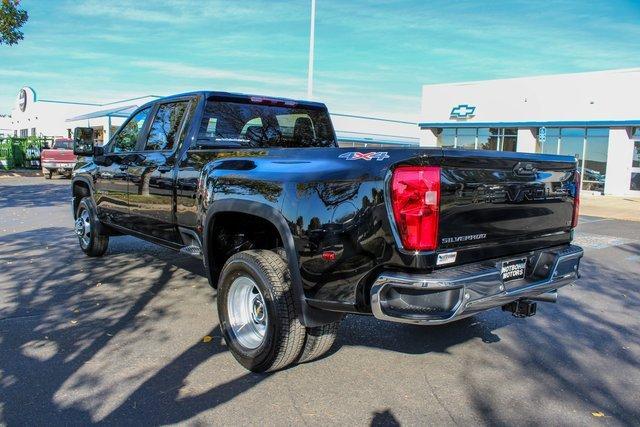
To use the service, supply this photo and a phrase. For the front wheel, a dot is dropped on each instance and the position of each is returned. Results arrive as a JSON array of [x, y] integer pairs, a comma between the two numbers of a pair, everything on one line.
[[92, 242], [256, 310]]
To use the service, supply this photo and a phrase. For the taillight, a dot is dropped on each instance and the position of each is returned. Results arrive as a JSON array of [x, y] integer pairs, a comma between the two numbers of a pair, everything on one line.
[[415, 199], [576, 200]]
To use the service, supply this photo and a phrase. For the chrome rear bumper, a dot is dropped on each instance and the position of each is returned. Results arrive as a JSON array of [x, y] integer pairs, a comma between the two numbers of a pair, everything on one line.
[[456, 292]]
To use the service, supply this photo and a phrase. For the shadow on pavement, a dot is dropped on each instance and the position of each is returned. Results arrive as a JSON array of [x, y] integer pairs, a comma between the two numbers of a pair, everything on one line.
[[57, 303], [579, 353], [33, 195]]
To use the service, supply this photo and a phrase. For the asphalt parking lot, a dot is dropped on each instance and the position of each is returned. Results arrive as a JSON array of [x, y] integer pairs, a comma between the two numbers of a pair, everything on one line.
[[119, 340]]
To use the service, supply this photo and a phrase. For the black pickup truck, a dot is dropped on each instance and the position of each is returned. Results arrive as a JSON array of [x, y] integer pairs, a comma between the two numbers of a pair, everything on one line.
[[294, 231]]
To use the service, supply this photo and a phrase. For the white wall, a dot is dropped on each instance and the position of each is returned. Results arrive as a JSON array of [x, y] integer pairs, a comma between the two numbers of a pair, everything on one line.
[[527, 139], [47, 117], [607, 97], [596, 96], [5, 126], [619, 157], [375, 129], [428, 138]]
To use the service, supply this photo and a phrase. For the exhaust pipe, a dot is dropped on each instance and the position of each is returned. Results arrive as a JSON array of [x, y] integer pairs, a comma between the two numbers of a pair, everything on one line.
[[547, 297]]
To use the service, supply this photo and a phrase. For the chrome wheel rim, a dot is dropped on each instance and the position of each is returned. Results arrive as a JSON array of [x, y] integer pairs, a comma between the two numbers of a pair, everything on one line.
[[247, 312], [82, 228]]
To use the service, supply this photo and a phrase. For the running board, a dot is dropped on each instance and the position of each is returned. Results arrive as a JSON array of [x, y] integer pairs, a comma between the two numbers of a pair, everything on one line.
[[192, 245], [192, 250]]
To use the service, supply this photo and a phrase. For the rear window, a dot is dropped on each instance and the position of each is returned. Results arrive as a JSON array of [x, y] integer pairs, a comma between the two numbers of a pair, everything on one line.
[[63, 145], [249, 124]]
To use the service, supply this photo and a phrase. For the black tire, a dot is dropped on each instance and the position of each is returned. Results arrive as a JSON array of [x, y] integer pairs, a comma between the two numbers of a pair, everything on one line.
[[284, 335], [94, 244], [319, 341], [48, 174]]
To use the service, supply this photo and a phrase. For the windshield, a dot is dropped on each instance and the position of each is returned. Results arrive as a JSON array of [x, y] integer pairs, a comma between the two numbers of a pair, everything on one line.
[[249, 124], [63, 145]]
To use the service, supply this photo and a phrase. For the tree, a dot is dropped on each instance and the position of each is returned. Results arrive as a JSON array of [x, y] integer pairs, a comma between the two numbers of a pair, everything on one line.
[[11, 19]]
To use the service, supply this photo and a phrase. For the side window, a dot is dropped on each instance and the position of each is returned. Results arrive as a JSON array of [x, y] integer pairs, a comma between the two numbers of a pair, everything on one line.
[[126, 139], [166, 126]]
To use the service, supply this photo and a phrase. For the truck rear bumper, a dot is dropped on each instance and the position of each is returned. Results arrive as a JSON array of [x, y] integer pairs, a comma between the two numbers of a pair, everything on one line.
[[67, 166], [453, 293]]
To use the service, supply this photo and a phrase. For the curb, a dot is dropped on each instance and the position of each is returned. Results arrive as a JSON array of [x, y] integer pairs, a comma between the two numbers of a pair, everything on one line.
[[20, 173]]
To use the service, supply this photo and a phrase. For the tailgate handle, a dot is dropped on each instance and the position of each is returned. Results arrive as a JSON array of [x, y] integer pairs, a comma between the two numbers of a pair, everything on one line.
[[525, 169]]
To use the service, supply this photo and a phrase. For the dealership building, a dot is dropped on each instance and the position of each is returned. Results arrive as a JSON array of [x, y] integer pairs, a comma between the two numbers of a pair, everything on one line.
[[592, 116], [34, 116]]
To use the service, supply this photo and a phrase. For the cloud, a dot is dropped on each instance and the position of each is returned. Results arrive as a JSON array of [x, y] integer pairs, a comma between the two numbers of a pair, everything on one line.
[[29, 74], [182, 70], [126, 11], [186, 12]]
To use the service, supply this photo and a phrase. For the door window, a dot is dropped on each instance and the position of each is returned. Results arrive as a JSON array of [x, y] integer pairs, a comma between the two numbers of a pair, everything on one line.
[[127, 138], [166, 126]]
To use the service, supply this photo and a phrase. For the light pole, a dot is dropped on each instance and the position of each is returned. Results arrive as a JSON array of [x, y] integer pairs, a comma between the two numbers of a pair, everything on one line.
[[311, 45]]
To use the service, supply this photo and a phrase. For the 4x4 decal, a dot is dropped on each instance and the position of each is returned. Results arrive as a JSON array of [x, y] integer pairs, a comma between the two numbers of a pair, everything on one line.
[[356, 155]]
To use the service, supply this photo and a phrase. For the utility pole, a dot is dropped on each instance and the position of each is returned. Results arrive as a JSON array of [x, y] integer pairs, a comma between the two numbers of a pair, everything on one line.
[[312, 38]]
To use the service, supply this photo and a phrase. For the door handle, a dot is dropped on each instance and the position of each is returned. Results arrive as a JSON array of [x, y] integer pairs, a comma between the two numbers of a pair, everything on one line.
[[164, 169]]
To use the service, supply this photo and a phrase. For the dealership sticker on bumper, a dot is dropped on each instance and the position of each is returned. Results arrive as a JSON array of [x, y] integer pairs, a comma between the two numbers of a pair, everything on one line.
[[447, 258], [514, 269]]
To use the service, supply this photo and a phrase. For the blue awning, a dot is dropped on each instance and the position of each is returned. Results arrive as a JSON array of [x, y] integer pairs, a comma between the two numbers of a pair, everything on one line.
[[567, 123]]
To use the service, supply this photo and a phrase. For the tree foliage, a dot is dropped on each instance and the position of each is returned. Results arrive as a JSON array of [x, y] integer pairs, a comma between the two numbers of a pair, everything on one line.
[[11, 19]]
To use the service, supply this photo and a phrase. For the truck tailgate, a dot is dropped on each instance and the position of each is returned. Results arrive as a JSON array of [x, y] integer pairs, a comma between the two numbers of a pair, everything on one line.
[[503, 197], [58, 156]]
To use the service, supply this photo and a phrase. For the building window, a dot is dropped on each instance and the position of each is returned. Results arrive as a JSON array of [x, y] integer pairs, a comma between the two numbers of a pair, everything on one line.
[[33, 131], [466, 138], [24, 133], [571, 142], [500, 139], [636, 155], [588, 145], [634, 185], [447, 138], [550, 144], [594, 168], [487, 140], [508, 139]]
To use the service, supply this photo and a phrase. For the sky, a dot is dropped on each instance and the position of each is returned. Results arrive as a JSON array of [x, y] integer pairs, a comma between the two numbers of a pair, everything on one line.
[[370, 57]]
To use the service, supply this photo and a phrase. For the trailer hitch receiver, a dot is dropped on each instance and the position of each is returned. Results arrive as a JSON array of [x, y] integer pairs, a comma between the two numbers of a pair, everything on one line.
[[521, 308]]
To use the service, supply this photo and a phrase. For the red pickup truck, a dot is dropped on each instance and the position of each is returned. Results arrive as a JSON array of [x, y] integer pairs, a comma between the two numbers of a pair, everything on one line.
[[58, 159]]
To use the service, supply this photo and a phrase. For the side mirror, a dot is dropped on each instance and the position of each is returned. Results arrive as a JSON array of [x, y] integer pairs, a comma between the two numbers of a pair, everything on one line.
[[83, 141], [98, 150]]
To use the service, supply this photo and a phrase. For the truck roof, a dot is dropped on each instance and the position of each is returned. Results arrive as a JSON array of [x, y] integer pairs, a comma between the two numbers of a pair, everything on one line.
[[239, 96]]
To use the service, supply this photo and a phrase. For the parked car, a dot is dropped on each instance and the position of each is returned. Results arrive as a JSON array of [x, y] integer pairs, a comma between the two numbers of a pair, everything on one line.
[[58, 159], [294, 231]]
